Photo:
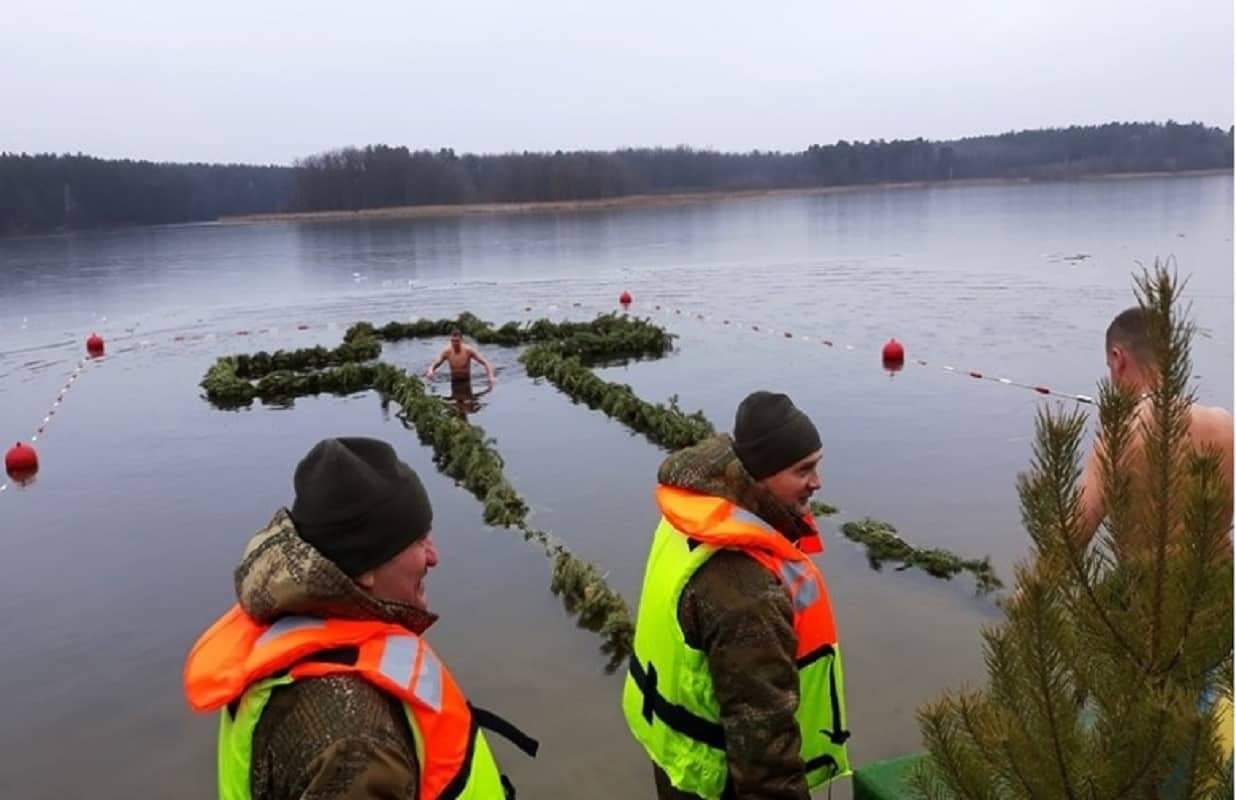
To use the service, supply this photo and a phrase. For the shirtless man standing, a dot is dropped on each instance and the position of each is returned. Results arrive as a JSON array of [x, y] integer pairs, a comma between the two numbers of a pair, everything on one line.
[[460, 356], [1131, 363]]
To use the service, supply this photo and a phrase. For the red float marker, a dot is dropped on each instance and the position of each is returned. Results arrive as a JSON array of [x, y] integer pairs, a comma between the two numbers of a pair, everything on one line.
[[893, 354], [21, 462], [94, 345]]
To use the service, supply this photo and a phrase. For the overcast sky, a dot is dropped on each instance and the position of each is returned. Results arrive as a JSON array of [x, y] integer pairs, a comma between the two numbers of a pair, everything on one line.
[[264, 81]]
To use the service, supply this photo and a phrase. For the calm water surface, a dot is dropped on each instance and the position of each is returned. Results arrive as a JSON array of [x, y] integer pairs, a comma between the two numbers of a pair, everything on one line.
[[121, 552]]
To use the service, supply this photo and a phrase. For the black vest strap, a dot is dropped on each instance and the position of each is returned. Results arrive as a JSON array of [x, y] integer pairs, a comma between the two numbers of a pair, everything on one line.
[[815, 655], [821, 761], [675, 716], [837, 735], [506, 729]]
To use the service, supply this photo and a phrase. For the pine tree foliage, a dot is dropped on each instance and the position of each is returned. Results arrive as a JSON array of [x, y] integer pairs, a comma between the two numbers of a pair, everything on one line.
[[1102, 676]]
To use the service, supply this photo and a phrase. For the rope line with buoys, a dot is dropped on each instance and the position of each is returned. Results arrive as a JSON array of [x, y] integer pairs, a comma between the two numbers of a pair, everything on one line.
[[893, 353], [21, 461]]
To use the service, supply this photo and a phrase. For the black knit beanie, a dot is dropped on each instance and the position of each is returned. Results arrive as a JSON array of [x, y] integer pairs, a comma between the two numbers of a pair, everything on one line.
[[770, 434], [358, 504]]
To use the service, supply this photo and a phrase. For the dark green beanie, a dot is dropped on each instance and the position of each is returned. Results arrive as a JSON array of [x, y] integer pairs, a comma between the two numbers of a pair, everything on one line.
[[358, 504], [770, 434]]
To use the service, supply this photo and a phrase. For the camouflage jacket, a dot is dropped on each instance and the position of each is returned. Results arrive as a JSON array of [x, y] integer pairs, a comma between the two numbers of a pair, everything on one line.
[[334, 738], [737, 612]]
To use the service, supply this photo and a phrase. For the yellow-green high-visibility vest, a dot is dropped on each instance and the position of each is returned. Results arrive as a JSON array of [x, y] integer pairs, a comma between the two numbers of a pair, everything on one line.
[[668, 698]]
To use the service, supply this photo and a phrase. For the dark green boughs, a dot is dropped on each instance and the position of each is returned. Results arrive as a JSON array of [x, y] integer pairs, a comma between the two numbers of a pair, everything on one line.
[[460, 450], [606, 336], [665, 425], [224, 387], [600, 609], [560, 352], [262, 363], [285, 386], [672, 428], [463, 452], [822, 509], [884, 545], [226, 390], [284, 374]]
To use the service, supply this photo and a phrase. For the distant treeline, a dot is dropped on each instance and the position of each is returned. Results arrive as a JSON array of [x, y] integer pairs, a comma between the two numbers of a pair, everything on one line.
[[47, 192], [39, 193], [379, 176]]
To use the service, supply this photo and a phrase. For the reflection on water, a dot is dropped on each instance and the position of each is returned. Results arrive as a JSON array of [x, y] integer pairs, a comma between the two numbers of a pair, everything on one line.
[[123, 549], [465, 400]]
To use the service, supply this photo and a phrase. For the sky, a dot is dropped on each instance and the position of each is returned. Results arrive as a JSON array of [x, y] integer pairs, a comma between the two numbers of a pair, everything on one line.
[[266, 81]]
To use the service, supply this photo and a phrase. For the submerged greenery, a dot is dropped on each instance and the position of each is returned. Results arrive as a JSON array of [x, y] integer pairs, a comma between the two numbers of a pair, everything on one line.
[[884, 545], [228, 382], [560, 352], [462, 451], [666, 425]]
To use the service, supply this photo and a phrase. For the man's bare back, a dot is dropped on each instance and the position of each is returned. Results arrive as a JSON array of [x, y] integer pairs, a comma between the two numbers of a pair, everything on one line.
[[1131, 365], [1209, 428]]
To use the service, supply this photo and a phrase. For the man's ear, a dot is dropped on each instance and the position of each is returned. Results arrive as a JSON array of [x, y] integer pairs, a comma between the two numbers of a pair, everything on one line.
[[366, 580]]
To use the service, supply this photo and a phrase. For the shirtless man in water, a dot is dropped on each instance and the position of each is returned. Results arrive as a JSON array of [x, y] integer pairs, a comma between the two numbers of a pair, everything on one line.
[[460, 356], [1131, 363]]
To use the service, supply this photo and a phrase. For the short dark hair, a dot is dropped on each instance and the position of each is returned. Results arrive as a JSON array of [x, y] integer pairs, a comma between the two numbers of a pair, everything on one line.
[[456, 332], [1130, 330]]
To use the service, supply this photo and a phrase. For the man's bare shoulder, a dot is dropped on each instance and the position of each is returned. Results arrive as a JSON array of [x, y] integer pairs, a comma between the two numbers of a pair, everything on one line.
[[1212, 425], [1216, 417]]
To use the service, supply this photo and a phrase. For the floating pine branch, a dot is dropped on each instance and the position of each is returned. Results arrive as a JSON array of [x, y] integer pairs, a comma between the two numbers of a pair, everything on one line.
[[884, 545], [664, 425]]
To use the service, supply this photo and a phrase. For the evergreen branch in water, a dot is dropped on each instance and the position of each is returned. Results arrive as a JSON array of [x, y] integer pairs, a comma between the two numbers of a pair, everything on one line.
[[671, 428], [261, 363], [226, 389], [229, 382], [462, 451], [884, 545], [822, 509], [664, 425], [638, 336], [608, 336]]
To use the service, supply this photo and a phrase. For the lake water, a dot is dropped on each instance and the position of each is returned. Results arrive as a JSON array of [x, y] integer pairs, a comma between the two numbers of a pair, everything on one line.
[[121, 551]]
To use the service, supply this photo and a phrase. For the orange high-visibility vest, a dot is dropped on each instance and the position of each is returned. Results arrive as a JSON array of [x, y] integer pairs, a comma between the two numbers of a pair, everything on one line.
[[717, 522], [237, 653]]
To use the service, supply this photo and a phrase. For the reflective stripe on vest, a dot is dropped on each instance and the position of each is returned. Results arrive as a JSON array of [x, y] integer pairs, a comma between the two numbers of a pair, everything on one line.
[[668, 698], [239, 663]]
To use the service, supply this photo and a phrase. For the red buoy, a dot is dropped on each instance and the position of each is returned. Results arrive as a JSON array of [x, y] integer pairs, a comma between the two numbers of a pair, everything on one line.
[[94, 345], [894, 355], [21, 461], [625, 298]]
